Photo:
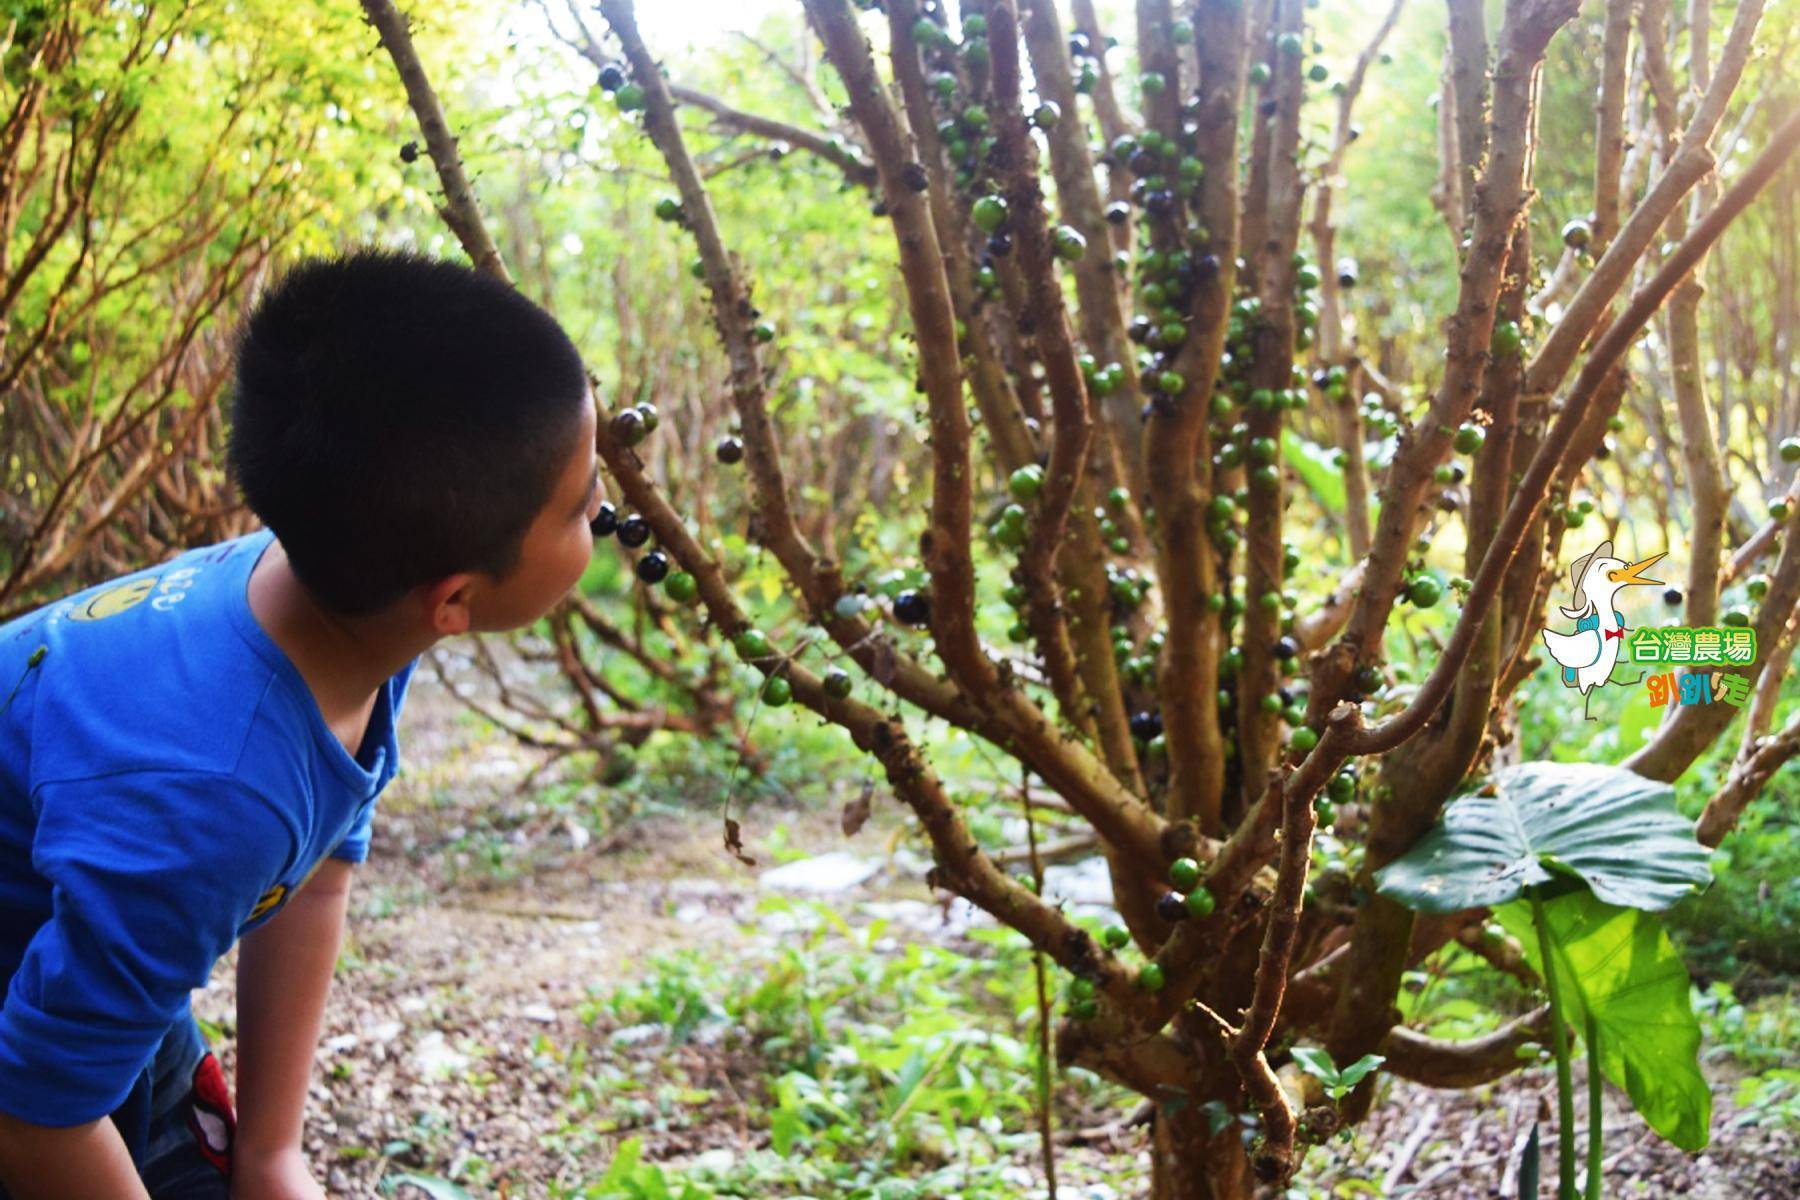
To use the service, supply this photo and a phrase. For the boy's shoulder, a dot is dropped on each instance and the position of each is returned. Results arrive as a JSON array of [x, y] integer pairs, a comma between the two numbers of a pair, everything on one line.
[[150, 671]]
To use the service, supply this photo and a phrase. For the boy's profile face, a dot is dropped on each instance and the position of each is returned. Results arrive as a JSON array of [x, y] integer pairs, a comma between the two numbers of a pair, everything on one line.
[[556, 548]]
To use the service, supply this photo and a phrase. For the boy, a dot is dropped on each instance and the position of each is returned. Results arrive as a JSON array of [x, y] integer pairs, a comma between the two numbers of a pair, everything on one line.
[[192, 752]]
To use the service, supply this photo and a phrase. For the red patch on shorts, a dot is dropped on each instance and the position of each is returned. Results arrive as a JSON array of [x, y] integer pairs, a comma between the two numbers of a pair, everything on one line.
[[210, 1118]]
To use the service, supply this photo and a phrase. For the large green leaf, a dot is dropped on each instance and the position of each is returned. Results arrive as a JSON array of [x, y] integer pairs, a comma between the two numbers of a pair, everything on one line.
[[1314, 466], [1614, 828], [1618, 964]]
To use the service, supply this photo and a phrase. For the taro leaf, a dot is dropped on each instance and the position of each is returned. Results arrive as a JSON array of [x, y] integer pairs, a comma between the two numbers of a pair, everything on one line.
[[1614, 828], [1618, 964]]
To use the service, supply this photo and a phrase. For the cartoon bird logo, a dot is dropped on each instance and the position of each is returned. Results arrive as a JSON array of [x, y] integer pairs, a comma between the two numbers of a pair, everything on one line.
[[1588, 655]]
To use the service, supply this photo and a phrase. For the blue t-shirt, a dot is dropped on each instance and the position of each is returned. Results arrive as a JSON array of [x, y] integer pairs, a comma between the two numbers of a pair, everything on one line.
[[167, 782]]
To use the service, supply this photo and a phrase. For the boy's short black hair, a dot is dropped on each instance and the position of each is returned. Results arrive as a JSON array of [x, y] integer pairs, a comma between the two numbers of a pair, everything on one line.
[[397, 419]]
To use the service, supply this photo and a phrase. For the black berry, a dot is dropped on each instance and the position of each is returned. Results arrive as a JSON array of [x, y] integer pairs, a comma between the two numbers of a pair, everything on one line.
[[634, 531], [653, 567], [912, 608]]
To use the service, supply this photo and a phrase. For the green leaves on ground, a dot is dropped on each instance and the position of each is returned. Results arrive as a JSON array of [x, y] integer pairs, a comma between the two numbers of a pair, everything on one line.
[[1617, 830], [1619, 965]]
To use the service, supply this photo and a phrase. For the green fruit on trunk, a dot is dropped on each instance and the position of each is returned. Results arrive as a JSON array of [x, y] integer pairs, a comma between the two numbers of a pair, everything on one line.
[[1026, 482], [837, 683], [682, 587], [989, 213], [1200, 903], [1506, 340], [1184, 873], [1150, 977], [1424, 591], [1303, 739], [777, 692], [1116, 937], [752, 644]]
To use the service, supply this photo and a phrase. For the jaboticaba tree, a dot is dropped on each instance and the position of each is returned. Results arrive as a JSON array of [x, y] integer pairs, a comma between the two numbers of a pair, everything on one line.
[[1166, 431]]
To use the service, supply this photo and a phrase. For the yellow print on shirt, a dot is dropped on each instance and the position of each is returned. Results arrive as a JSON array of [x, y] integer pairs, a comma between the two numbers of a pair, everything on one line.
[[170, 588], [277, 895], [271, 900]]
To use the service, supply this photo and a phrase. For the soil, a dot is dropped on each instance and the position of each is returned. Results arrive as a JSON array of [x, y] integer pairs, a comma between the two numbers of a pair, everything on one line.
[[484, 921]]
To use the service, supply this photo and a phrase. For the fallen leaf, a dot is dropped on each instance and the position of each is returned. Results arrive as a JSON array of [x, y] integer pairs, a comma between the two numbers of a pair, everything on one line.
[[856, 812], [734, 842]]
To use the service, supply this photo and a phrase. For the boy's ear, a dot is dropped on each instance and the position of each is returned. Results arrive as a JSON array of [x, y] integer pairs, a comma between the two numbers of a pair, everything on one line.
[[446, 604]]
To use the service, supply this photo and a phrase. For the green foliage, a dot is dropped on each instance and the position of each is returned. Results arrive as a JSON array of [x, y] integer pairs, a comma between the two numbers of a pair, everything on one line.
[[1338, 1082], [1744, 923], [1614, 828], [1617, 965]]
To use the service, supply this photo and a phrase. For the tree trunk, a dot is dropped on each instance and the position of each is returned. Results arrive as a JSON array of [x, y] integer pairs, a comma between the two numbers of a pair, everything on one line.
[[1189, 1163]]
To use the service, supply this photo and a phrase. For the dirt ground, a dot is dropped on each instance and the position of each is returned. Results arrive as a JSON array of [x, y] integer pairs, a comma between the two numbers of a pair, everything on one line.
[[461, 986]]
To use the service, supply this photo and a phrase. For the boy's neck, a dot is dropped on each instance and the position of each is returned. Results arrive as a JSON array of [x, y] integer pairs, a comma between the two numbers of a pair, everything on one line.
[[344, 662]]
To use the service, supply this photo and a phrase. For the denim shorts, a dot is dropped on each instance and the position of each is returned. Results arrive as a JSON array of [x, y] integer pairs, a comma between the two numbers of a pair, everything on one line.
[[177, 1120]]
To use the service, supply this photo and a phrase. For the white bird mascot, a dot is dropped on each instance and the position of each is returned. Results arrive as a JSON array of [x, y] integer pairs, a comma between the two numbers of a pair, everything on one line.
[[1589, 654]]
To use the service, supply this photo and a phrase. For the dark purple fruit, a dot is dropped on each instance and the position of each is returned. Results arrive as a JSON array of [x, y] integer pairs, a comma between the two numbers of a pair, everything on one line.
[[409, 152], [1160, 202], [729, 451], [1118, 212], [914, 176], [1672, 596], [1368, 678], [912, 608], [1139, 330], [999, 244], [653, 567], [608, 520], [628, 427], [634, 531], [611, 78], [1286, 647], [1172, 907], [1145, 725]]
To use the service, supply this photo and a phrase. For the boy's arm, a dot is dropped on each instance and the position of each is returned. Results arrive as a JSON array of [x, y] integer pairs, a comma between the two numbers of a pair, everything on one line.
[[91, 1162], [283, 974]]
